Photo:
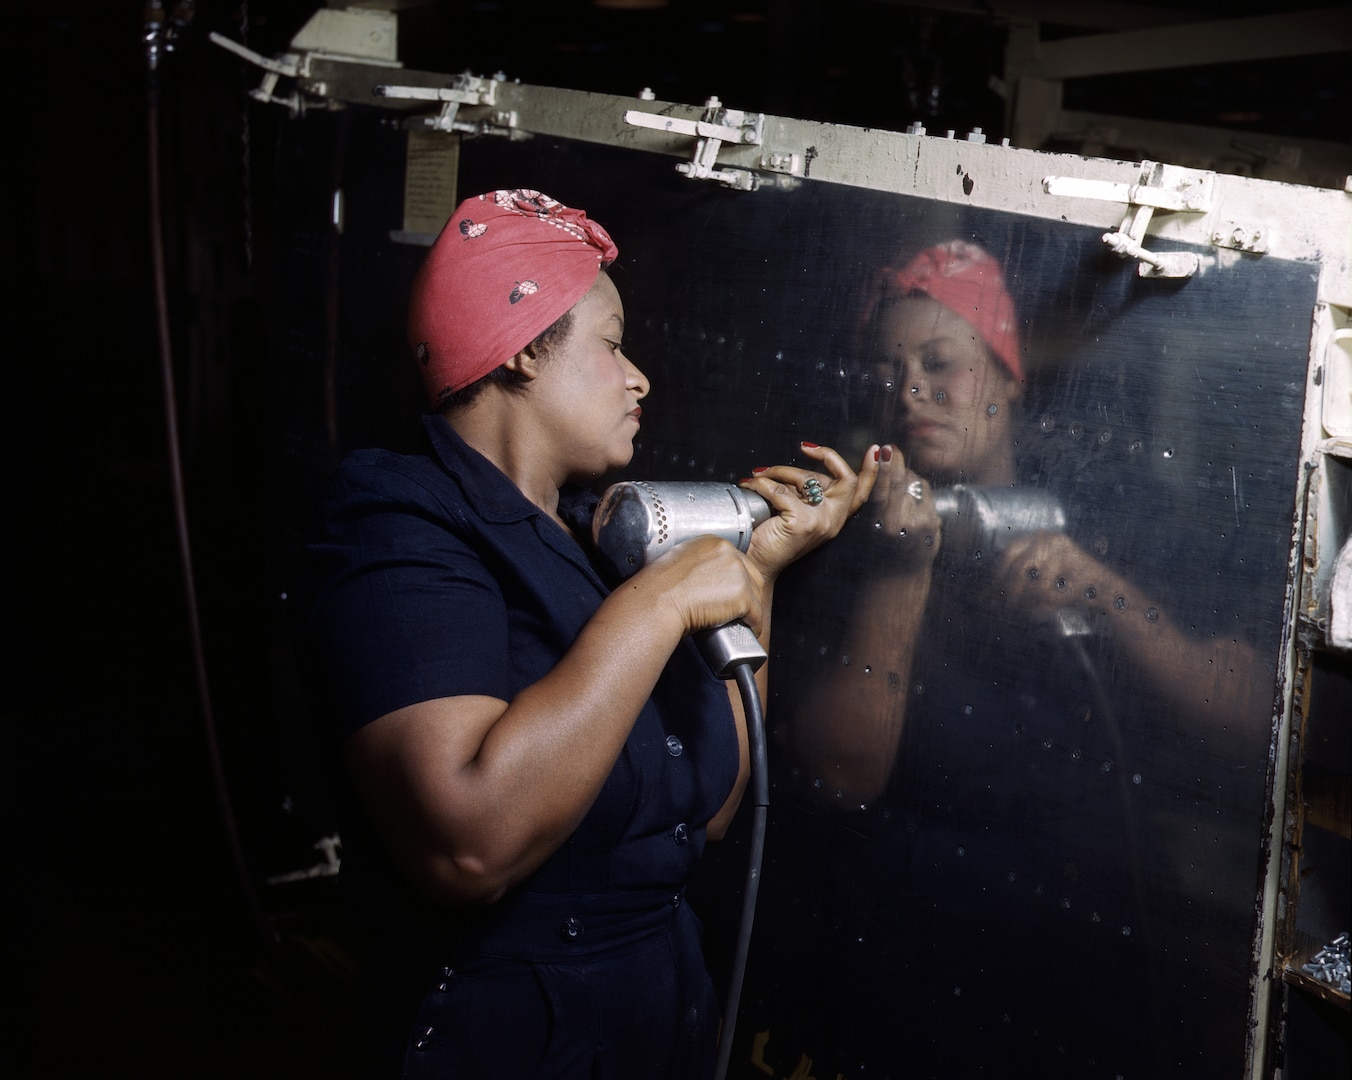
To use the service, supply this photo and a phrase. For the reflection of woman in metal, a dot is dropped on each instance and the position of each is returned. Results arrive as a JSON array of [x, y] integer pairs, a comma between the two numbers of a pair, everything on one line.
[[1027, 750], [536, 760], [948, 365]]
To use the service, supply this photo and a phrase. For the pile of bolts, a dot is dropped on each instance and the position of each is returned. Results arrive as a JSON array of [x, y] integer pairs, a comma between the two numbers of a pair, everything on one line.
[[1330, 964]]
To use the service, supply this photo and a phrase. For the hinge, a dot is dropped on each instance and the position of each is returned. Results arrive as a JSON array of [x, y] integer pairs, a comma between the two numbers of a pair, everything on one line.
[[1161, 187], [718, 126]]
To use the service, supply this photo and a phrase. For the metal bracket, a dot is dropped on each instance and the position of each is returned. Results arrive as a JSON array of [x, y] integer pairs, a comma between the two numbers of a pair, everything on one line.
[[718, 126], [782, 161], [1231, 234], [1337, 403], [1170, 264], [468, 90], [1160, 188], [286, 66], [366, 37]]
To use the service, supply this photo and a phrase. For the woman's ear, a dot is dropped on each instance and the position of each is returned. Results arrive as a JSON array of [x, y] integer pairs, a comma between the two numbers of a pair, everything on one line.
[[526, 363], [1013, 387]]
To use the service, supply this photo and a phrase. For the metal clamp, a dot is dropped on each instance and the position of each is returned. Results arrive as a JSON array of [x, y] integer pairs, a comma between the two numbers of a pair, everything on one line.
[[346, 36], [286, 66], [1159, 188], [468, 90], [1171, 264], [718, 126]]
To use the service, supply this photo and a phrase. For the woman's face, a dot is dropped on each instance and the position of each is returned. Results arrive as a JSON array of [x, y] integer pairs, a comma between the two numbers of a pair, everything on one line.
[[948, 401], [591, 390]]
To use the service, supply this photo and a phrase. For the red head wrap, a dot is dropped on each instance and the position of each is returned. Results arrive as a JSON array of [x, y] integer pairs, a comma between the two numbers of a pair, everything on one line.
[[966, 280], [506, 266]]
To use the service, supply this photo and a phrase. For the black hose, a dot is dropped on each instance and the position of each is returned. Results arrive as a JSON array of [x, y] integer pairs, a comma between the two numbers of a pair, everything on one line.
[[745, 675]]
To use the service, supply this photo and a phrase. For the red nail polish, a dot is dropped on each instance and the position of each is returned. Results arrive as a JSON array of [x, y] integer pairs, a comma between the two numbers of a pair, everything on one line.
[[876, 454], [810, 445], [887, 453], [759, 470], [744, 480]]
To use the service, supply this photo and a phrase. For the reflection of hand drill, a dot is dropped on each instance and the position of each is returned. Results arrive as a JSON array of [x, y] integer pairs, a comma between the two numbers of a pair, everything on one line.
[[980, 522], [638, 521]]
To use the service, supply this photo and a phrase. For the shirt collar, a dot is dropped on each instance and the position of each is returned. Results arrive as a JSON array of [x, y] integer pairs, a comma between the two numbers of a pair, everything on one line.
[[488, 489]]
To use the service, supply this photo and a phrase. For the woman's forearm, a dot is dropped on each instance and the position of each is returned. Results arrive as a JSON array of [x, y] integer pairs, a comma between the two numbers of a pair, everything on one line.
[[474, 793], [848, 726]]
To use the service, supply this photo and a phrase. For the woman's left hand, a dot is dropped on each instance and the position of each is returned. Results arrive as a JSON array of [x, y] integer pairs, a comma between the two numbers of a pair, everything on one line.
[[810, 506]]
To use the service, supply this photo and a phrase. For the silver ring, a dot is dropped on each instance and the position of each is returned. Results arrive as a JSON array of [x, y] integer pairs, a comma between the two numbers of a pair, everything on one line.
[[815, 497], [916, 490]]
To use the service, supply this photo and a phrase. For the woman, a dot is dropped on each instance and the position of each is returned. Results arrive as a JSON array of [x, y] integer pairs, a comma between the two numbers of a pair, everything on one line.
[[537, 759], [949, 365]]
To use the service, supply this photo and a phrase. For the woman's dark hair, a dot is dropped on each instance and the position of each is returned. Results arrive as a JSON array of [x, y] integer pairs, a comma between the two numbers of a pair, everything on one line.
[[548, 339]]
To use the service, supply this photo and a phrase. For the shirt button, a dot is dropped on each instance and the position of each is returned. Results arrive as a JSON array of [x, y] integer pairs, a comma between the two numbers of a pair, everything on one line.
[[681, 834], [571, 929], [676, 901], [674, 746], [447, 976], [423, 1039]]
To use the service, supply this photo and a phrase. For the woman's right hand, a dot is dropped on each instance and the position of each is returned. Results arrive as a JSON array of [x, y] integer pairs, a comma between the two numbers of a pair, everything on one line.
[[902, 516], [706, 582]]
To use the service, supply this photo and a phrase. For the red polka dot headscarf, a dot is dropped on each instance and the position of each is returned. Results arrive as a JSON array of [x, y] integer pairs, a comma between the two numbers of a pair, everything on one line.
[[968, 281], [506, 266]]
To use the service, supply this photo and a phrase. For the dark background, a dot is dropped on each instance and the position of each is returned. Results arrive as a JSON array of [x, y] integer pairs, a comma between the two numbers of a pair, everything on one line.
[[143, 819]]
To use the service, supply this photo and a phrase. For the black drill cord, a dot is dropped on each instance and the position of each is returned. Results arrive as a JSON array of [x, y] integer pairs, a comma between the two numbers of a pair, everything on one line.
[[760, 786]]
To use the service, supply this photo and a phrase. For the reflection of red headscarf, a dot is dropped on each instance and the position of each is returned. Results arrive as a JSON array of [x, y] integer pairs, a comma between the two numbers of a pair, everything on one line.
[[506, 266], [967, 281]]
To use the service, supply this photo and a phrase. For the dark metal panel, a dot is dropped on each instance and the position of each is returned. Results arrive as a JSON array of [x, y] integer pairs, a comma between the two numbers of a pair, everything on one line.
[[1064, 873]]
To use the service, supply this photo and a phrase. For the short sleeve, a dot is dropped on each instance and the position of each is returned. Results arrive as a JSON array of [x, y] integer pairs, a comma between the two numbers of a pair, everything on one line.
[[402, 607]]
